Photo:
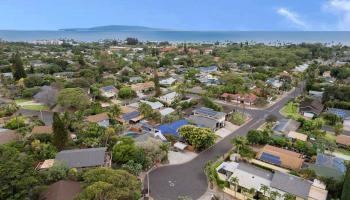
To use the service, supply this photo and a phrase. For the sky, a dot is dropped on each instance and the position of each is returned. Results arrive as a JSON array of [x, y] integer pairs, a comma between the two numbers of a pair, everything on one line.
[[243, 15]]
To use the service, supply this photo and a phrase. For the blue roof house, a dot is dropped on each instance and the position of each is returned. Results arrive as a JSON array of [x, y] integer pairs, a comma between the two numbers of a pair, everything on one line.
[[171, 128]]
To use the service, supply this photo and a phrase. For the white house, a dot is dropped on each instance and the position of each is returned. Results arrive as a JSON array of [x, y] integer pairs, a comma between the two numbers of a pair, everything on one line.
[[155, 105], [169, 98], [168, 81]]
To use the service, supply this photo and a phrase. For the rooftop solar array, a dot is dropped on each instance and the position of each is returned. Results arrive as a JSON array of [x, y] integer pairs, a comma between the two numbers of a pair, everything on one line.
[[129, 116], [208, 111], [270, 158]]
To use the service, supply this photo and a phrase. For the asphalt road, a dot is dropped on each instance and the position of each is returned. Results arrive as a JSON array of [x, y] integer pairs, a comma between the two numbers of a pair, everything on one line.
[[189, 179]]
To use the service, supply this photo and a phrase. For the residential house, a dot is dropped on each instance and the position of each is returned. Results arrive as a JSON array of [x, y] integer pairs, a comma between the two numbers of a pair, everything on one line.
[[293, 135], [281, 157], [346, 123], [248, 99], [167, 82], [62, 190], [209, 69], [207, 117], [7, 75], [339, 112], [141, 88], [343, 141], [129, 115], [274, 82], [135, 79], [327, 74], [172, 128], [63, 75], [318, 95], [310, 108], [329, 166], [109, 91], [7, 136], [284, 126], [169, 98], [101, 119], [301, 68], [251, 176], [84, 158], [155, 105], [166, 111], [208, 79], [37, 63], [38, 130]]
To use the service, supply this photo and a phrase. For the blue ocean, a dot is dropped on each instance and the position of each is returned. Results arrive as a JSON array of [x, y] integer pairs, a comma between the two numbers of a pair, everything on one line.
[[267, 37]]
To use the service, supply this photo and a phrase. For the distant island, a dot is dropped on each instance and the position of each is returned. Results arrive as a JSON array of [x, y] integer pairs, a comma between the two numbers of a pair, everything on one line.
[[114, 28]]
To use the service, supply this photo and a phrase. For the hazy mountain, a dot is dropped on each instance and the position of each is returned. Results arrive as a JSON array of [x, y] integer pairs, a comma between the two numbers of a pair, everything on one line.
[[114, 28]]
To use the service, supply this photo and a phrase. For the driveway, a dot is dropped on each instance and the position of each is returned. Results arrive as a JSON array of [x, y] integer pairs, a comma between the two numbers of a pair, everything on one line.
[[189, 179]]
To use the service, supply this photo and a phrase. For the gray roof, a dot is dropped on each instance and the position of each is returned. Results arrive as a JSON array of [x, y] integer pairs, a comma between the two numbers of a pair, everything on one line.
[[209, 112], [286, 125], [203, 121], [83, 157], [259, 172], [291, 184]]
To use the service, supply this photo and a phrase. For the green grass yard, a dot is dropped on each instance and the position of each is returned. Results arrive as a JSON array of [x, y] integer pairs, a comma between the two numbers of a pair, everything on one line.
[[36, 107], [291, 110]]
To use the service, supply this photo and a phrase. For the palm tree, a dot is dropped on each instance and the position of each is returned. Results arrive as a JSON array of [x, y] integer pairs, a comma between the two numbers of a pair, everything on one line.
[[338, 128], [265, 189], [244, 192], [252, 192], [288, 196], [274, 195], [239, 142], [234, 181], [114, 111]]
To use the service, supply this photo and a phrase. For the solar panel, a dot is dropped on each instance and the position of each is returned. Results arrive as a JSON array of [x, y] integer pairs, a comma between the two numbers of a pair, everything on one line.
[[270, 158], [206, 111], [129, 116]]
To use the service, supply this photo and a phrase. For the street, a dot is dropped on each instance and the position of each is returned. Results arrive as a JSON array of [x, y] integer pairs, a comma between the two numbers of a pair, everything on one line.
[[189, 179]]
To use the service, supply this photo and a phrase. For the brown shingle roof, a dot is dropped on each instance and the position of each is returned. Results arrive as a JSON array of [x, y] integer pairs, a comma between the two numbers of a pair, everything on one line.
[[142, 86], [314, 106], [97, 118], [42, 130], [343, 139], [8, 136], [289, 159], [63, 190]]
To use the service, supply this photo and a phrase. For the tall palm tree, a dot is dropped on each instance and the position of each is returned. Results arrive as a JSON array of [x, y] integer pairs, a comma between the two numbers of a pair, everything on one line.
[[234, 181], [238, 143], [265, 189]]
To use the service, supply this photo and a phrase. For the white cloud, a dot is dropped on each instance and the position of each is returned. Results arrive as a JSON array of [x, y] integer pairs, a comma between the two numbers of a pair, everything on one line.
[[342, 9], [293, 17]]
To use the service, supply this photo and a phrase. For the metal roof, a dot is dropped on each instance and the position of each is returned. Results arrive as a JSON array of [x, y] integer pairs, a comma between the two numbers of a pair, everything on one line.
[[171, 128], [83, 157], [291, 184], [131, 115]]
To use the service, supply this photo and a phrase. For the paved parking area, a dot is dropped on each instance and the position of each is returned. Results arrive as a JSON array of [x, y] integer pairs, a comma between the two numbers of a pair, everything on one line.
[[180, 157], [227, 130]]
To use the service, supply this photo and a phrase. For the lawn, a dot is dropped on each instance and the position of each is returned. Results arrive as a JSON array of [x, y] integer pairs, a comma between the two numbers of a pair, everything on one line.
[[36, 107], [343, 151], [291, 110], [18, 101]]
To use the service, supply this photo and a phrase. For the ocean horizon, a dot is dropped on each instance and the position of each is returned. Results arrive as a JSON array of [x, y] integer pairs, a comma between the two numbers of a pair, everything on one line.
[[267, 37]]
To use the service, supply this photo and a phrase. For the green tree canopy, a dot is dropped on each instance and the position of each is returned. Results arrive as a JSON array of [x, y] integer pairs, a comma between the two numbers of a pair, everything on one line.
[[106, 183], [73, 98], [18, 176], [200, 138]]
